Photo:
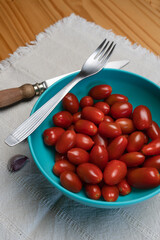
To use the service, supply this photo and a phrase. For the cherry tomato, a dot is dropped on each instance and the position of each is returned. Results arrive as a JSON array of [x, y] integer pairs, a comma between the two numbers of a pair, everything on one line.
[[70, 103], [76, 117], [124, 188], [153, 131], [135, 141], [121, 110], [110, 193], [116, 98], [86, 101], [109, 130], [126, 125], [71, 181], [59, 156], [51, 135], [66, 141], [62, 119], [93, 114], [100, 91], [143, 178], [84, 141], [142, 117], [153, 162], [152, 148], [114, 172], [133, 159], [99, 156], [89, 173], [61, 166], [104, 107], [99, 140], [86, 127], [77, 156], [108, 119], [93, 191], [117, 147]]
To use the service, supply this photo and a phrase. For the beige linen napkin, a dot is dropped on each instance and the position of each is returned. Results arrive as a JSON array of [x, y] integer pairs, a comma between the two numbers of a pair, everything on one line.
[[30, 207]]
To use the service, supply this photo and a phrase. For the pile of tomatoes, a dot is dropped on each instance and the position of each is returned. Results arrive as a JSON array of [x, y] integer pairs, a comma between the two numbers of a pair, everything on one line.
[[106, 146]]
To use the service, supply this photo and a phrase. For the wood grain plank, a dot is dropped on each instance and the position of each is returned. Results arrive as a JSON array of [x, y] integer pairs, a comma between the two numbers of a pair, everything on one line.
[[21, 21], [154, 4]]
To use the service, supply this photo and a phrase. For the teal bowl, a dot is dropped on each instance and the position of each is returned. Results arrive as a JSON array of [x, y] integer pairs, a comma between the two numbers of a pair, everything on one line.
[[138, 89]]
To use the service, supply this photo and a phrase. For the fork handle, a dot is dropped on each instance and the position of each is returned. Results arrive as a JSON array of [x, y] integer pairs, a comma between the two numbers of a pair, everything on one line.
[[29, 125]]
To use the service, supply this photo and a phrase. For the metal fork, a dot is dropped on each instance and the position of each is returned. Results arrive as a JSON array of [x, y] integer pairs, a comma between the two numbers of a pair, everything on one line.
[[93, 65]]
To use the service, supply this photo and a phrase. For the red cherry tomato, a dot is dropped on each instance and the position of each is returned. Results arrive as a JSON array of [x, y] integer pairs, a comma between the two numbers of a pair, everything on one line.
[[59, 156], [71, 181], [110, 193], [116, 98], [62, 166], [70, 103], [133, 159], [76, 116], [152, 148], [93, 191], [89, 173], [86, 101], [99, 140], [108, 119], [124, 188], [104, 107], [66, 141], [84, 141], [153, 131], [100, 91], [62, 119], [143, 178], [126, 125], [109, 130], [135, 141], [51, 135], [153, 162], [117, 147], [114, 172], [86, 127], [142, 117], [121, 110], [99, 156], [93, 114], [77, 156]]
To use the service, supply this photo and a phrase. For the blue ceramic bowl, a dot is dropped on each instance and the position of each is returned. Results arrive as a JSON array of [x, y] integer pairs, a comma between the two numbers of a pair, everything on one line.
[[139, 90]]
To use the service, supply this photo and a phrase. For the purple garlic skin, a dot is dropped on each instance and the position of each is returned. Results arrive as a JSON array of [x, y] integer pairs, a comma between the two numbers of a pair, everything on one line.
[[17, 162]]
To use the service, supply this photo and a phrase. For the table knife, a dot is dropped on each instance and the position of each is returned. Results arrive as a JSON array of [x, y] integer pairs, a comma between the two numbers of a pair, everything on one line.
[[28, 91]]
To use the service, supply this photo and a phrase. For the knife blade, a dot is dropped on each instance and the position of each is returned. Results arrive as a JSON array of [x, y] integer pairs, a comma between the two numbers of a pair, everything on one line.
[[27, 91]]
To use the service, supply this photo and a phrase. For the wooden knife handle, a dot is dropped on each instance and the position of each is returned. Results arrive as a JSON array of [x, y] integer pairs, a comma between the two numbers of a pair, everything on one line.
[[13, 95]]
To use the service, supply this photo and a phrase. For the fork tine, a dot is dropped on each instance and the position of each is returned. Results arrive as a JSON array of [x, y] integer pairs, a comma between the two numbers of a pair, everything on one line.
[[102, 50], [94, 54], [107, 55], [107, 50]]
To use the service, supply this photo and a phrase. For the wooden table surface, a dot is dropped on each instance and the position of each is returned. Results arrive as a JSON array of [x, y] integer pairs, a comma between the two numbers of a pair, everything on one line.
[[22, 20]]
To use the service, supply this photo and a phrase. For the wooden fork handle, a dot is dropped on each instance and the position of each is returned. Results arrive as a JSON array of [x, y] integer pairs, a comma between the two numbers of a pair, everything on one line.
[[13, 95]]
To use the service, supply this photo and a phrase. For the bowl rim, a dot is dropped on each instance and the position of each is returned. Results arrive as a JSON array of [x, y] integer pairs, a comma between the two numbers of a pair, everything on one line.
[[75, 196]]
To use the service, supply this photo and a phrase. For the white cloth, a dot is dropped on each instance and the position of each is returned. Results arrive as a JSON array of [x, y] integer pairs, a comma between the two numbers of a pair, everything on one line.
[[30, 207]]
